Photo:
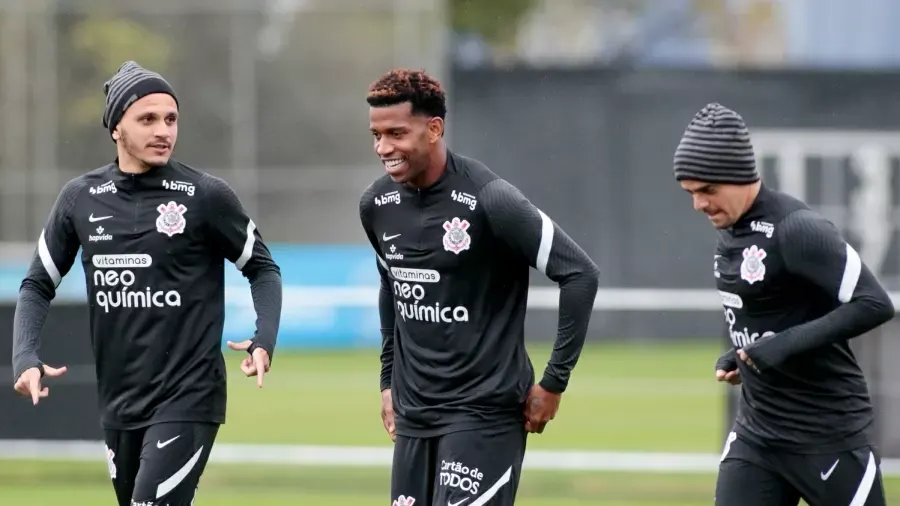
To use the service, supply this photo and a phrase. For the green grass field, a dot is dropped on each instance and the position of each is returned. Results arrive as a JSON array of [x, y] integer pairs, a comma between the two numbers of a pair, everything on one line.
[[640, 397]]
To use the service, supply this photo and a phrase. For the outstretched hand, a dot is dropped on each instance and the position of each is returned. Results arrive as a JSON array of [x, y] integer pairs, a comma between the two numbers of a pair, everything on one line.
[[257, 364], [29, 382]]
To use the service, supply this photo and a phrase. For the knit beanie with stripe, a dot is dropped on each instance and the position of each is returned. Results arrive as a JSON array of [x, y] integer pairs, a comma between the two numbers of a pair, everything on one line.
[[716, 148], [130, 83]]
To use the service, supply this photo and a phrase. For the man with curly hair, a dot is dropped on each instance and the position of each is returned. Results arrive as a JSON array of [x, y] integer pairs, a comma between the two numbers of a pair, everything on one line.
[[454, 245]]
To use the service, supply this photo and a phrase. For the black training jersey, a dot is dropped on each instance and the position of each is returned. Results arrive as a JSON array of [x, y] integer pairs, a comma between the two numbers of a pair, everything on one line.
[[153, 248], [794, 292], [454, 261]]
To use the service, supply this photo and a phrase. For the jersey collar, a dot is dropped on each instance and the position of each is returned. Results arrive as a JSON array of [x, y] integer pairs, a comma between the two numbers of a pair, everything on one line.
[[757, 210], [117, 175], [441, 182]]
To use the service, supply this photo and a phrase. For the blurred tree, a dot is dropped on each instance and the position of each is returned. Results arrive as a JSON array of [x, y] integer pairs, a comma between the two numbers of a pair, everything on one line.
[[495, 20], [747, 32], [99, 44]]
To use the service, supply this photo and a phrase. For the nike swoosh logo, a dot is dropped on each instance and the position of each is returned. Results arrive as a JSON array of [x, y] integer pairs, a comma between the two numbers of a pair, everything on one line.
[[457, 503], [827, 474], [165, 444], [98, 218], [388, 238]]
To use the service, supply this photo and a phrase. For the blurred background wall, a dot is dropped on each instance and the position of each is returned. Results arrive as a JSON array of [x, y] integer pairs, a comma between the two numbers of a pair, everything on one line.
[[580, 103]]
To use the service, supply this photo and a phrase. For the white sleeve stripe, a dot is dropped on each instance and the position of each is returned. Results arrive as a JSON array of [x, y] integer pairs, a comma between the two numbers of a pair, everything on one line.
[[382, 262], [47, 260], [852, 269], [543, 254], [248, 247], [492, 491], [179, 476]]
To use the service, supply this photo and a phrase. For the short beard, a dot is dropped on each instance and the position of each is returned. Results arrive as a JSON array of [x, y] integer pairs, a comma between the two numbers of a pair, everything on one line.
[[129, 148]]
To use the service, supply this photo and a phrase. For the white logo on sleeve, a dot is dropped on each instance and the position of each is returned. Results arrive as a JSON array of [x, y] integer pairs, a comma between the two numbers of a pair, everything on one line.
[[752, 268], [171, 218], [457, 503], [164, 444], [456, 237]]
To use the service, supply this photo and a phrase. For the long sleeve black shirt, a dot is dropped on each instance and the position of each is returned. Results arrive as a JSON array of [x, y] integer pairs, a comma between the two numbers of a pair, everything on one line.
[[454, 261], [153, 250], [794, 293]]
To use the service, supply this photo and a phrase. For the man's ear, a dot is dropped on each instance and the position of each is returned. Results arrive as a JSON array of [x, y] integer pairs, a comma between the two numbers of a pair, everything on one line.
[[435, 129]]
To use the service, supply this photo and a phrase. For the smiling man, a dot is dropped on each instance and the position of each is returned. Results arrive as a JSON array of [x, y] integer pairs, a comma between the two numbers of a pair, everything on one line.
[[154, 235], [794, 293], [454, 245]]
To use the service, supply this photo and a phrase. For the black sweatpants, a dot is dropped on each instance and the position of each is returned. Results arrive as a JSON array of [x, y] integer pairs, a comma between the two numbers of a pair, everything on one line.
[[160, 464], [478, 467], [750, 475]]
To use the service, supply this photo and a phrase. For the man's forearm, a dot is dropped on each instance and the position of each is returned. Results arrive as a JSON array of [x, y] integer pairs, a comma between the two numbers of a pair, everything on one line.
[[31, 312], [845, 322], [576, 304], [266, 290], [727, 361], [386, 314], [813, 250]]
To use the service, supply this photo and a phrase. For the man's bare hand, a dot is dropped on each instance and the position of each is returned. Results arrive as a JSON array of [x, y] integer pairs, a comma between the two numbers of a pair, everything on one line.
[[387, 413], [29, 383], [540, 407], [256, 364], [733, 377]]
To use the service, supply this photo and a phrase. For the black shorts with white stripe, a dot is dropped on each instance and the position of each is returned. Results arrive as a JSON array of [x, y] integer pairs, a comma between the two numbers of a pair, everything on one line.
[[751, 475], [160, 464], [477, 467]]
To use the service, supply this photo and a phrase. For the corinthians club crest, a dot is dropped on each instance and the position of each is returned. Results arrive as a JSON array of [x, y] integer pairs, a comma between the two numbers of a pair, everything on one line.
[[456, 239], [171, 218], [752, 268]]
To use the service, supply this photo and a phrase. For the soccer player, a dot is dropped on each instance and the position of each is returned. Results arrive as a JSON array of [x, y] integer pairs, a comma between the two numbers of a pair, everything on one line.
[[454, 245], [154, 235], [794, 292]]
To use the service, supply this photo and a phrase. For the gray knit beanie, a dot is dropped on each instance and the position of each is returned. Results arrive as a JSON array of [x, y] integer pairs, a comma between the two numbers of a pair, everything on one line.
[[129, 84], [716, 148]]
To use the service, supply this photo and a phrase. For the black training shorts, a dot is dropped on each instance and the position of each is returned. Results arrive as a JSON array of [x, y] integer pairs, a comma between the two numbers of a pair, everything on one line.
[[160, 464], [750, 475], [468, 468]]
